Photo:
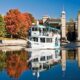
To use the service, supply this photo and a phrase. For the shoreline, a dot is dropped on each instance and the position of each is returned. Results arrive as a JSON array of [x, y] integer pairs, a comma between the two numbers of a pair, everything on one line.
[[18, 42]]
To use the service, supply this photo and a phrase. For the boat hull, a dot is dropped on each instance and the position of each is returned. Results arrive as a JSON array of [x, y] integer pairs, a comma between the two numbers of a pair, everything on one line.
[[36, 45]]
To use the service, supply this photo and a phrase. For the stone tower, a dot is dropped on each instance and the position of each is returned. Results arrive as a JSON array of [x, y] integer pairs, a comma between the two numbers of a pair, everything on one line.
[[78, 26], [63, 24]]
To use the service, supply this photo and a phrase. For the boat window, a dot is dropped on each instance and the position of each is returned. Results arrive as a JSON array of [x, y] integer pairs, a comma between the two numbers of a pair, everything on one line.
[[34, 29], [42, 58], [48, 40], [44, 29], [56, 53], [35, 39], [49, 57], [35, 60], [47, 29], [56, 42], [42, 40], [40, 30], [53, 31]]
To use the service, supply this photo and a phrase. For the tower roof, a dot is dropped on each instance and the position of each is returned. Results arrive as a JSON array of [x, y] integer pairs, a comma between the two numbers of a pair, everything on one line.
[[63, 12]]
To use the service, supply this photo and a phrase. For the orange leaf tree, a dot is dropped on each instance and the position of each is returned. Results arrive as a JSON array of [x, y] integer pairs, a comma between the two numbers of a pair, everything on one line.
[[18, 23]]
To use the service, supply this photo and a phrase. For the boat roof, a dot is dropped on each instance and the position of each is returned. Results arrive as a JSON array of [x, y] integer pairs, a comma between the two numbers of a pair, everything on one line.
[[53, 28], [39, 26], [49, 27]]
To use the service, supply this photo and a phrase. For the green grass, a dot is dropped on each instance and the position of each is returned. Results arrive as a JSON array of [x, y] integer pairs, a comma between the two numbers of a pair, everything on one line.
[[2, 38]]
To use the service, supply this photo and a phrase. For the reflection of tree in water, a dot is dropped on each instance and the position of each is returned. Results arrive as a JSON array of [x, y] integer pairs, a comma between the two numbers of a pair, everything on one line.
[[2, 60], [16, 63]]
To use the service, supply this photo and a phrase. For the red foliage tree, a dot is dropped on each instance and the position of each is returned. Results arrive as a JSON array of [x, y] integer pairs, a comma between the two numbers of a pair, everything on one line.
[[18, 23]]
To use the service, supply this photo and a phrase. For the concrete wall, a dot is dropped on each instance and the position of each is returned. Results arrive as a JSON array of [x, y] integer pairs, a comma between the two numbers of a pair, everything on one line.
[[14, 42]]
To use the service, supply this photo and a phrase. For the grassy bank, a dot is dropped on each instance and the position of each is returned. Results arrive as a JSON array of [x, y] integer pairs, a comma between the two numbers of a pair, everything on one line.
[[2, 38]]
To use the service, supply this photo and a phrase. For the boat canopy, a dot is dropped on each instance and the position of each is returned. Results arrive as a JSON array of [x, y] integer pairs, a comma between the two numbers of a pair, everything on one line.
[[52, 28], [39, 26], [48, 27]]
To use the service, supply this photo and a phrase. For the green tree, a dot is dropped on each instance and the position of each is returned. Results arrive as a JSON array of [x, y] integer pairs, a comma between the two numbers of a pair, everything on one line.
[[2, 27]]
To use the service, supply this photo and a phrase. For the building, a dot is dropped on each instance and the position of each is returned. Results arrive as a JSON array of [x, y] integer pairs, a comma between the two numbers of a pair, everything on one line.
[[54, 22], [68, 28]]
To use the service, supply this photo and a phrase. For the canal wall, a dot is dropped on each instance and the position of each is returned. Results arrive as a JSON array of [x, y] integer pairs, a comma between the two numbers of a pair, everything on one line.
[[13, 42]]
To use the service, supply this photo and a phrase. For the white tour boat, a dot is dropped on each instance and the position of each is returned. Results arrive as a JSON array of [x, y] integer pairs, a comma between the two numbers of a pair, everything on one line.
[[43, 37]]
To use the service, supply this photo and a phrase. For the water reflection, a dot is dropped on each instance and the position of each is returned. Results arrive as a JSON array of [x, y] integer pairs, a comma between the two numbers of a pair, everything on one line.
[[63, 60], [78, 56], [14, 62], [41, 60], [40, 63], [2, 60]]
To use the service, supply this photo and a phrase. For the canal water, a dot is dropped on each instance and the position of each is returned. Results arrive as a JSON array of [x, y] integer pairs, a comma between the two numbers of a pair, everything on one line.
[[17, 64]]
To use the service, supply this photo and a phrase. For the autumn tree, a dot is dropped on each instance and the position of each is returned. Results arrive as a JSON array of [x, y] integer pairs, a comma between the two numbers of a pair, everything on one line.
[[18, 23], [32, 18], [16, 63]]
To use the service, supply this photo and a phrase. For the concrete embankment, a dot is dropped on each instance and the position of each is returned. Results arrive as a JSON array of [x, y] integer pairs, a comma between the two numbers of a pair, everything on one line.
[[16, 42], [11, 48]]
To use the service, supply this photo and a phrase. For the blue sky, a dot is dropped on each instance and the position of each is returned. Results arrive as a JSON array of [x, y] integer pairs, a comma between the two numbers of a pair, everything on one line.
[[39, 8]]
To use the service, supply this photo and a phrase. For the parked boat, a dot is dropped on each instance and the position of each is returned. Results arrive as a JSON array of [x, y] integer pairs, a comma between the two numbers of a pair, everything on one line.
[[43, 37]]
